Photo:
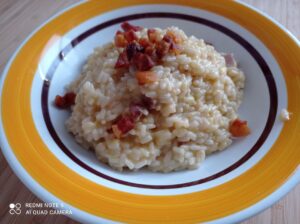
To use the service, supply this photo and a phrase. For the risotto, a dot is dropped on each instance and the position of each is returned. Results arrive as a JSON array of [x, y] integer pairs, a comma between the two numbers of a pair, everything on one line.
[[157, 99]]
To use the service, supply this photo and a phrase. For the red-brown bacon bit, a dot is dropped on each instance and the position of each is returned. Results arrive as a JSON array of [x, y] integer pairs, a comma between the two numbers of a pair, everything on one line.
[[122, 127], [65, 101], [162, 48], [175, 49], [229, 60], [239, 128], [132, 49], [153, 35], [117, 132], [145, 77], [130, 36], [59, 101], [144, 53], [151, 51], [173, 40], [176, 39], [144, 42], [125, 124], [120, 40], [143, 62], [167, 38], [147, 102], [126, 121], [127, 27], [135, 111], [122, 61]]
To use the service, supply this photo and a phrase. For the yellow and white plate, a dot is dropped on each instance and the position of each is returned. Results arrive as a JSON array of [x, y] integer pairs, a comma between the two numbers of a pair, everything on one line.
[[231, 185]]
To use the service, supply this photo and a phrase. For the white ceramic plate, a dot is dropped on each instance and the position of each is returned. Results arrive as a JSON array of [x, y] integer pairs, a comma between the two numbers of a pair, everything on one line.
[[230, 185]]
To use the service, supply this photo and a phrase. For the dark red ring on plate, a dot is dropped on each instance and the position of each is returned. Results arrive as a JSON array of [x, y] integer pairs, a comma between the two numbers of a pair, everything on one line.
[[252, 51]]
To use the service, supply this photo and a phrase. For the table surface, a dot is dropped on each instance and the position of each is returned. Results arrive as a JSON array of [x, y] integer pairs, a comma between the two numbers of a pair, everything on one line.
[[17, 20]]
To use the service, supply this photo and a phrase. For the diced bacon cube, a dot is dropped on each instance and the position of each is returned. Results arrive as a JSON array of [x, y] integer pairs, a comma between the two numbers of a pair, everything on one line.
[[145, 77], [162, 48], [130, 36], [132, 49], [125, 124], [65, 101], [147, 102], [239, 128], [70, 98], [122, 125], [175, 37], [59, 101], [135, 112], [120, 40], [117, 132], [167, 39], [144, 42], [122, 61], [151, 51], [153, 35], [127, 26], [143, 62], [230, 61], [175, 48], [118, 74]]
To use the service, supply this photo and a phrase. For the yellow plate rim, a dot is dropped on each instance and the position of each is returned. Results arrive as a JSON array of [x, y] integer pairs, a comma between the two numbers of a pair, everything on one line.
[[136, 200]]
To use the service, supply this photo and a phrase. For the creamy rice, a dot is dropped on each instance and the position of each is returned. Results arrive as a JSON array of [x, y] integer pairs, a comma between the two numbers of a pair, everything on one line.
[[196, 97]]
